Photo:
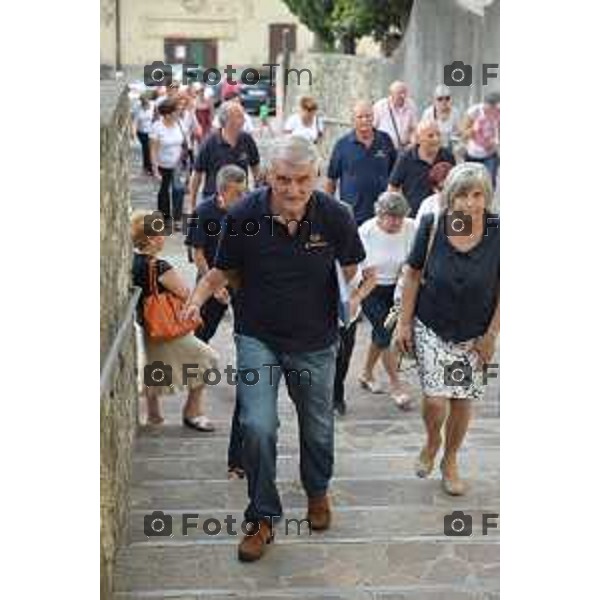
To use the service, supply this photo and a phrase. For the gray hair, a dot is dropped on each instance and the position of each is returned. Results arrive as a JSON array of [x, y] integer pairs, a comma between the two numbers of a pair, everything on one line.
[[223, 113], [462, 179], [292, 149], [229, 174], [392, 203]]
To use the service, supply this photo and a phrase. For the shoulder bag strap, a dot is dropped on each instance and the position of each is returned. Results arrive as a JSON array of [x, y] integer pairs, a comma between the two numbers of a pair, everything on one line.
[[152, 276], [394, 124], [432, 234]]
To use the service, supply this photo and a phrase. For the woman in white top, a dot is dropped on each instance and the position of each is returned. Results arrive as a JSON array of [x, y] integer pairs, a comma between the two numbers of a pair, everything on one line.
[[387, 239], [446, 116], [189, 124], [142, 124], [305, 123], [166, 148]]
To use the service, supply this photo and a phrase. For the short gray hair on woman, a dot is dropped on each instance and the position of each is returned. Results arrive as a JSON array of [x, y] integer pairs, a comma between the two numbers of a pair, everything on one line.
[[293, 149], [391, 203], [229, 174], [462, 179]]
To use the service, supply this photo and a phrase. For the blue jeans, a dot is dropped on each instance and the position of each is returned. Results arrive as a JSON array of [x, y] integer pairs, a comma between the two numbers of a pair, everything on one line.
[[309, 378]]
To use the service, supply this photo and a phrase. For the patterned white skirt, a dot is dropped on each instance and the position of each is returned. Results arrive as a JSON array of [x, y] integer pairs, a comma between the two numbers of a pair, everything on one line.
[[447, 369]]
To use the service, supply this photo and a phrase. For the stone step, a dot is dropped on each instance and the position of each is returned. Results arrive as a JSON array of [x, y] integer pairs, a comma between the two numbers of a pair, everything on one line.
[[351, 524], [472, 461], [330, 567], [182, 443], [395, 491], [440, 592]]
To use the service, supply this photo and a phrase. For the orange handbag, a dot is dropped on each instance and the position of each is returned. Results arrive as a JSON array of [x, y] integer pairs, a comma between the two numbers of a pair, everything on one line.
[[162, 310]]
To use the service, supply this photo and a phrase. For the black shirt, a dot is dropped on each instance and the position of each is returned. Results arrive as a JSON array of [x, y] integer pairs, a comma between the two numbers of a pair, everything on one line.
[[411, 173], [140, 273], [215, 153], [288, 296], [205, 226], [461, 289]]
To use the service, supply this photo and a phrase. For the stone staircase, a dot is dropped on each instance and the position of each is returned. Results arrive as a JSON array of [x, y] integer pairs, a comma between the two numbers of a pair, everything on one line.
[[387, 539]]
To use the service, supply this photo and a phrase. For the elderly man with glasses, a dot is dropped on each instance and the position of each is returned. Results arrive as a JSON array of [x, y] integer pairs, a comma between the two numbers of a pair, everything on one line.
[[282, 246]]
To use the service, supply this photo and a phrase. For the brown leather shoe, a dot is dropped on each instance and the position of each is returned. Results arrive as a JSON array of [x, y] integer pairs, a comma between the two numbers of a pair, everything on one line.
[[252, 547], [319, 513]]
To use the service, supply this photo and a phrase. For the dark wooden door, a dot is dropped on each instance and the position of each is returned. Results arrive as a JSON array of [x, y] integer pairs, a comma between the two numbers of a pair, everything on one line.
[[276, 35]]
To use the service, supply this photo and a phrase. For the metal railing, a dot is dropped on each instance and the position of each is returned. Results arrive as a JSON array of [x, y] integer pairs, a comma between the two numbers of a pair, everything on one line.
[[106, 370]]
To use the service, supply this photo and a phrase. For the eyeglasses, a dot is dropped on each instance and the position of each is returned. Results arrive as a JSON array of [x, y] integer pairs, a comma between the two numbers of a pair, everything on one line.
[[446, 98]]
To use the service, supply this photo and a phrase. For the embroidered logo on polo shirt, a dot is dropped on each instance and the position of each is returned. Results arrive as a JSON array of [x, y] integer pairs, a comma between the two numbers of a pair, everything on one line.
[[380, 154], [316, 240]]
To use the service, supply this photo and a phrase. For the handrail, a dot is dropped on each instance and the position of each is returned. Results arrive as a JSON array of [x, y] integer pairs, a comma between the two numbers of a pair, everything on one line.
[[111, 358]]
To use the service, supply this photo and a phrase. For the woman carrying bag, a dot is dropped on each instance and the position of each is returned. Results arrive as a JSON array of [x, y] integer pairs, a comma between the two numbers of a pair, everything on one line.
[[169, 342], [450, 312]]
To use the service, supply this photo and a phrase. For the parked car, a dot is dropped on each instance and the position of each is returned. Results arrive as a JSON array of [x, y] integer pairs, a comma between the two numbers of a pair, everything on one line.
[[255, 94]]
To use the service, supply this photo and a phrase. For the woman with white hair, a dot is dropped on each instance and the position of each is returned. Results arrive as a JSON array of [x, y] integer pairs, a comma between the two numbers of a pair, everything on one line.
[[446, 116], [451, 310], [387, 239]]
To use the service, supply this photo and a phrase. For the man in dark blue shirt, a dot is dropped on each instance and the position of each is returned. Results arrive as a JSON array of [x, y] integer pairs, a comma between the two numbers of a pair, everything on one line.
[[362, 161], [205, 228], [228, 145], [282, 242], [411, 171]]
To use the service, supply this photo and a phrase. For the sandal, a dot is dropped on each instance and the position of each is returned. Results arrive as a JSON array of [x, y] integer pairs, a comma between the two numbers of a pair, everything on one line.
[[154, 421], [199, 423], [451, 482], [424, 464], [370, 384], [402, 401]]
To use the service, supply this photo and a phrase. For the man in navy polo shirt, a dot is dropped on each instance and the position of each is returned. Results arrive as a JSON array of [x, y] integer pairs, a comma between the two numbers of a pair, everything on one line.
[[229, 145], [362, 161], [282, 242], [204, 231], [411, 171]]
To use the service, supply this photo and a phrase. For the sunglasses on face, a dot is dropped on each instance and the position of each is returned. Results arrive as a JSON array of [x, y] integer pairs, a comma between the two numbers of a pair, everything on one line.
[[446, 98]]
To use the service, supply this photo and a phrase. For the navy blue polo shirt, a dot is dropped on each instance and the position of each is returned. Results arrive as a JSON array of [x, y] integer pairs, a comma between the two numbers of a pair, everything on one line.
[[460, 291], [411, 173], [204, 227], [215, 153], [363, 172], [288, 296]]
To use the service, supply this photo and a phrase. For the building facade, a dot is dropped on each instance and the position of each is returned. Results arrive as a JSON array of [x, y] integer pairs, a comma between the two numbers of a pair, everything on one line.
[[211, 33]]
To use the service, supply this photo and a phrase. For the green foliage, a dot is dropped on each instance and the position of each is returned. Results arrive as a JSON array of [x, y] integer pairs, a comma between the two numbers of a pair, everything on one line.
[[349, 20]]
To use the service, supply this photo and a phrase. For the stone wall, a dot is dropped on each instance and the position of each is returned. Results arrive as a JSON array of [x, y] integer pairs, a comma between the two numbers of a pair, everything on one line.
[[118, 402], [439, 32]]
